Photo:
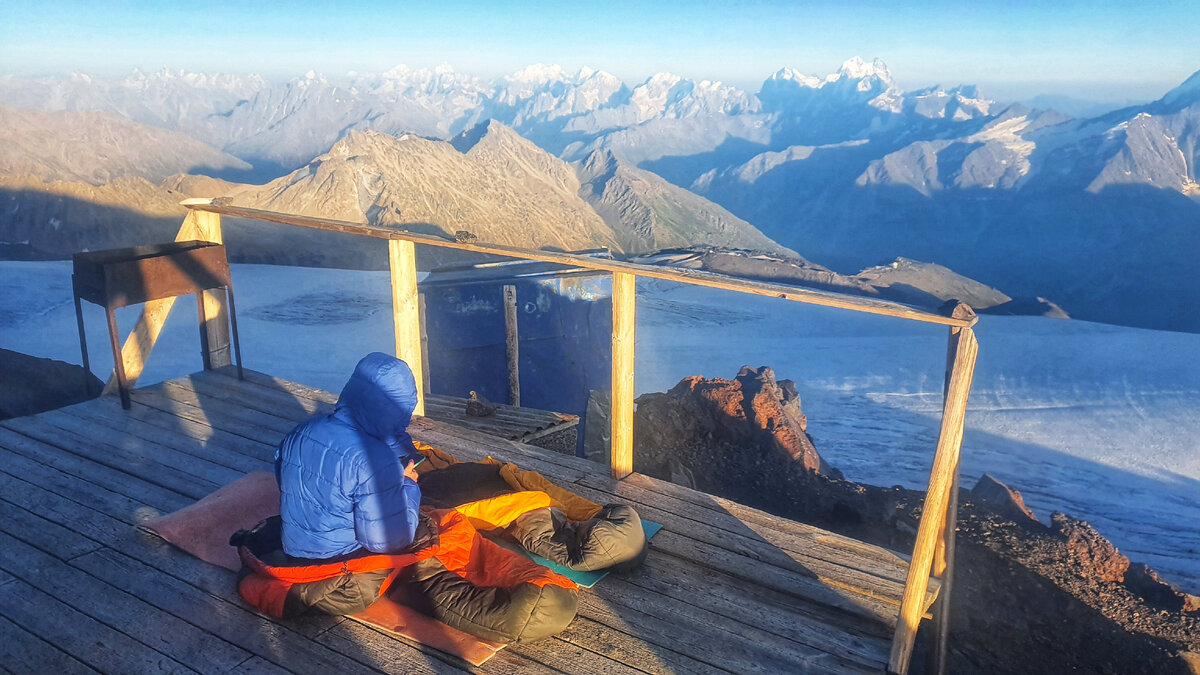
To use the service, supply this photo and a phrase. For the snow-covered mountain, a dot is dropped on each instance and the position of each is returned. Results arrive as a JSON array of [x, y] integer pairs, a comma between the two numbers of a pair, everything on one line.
[[1098, 214], [172, 99], [845, 168]]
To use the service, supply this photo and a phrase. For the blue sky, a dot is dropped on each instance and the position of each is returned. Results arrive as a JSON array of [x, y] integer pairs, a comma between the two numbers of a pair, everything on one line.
[[1011, 48]]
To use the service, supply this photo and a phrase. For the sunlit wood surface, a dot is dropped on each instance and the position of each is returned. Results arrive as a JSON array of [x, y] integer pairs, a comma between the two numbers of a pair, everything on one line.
[[724, 588]]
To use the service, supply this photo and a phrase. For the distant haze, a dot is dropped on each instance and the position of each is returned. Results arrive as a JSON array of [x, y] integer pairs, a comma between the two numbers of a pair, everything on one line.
[[1100, 51]]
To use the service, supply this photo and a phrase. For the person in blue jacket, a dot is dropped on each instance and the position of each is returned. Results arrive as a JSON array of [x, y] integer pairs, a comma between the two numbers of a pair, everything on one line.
[[347, 480]]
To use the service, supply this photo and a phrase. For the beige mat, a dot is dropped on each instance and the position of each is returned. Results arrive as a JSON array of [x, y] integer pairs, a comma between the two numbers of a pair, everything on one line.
[[202, 529]]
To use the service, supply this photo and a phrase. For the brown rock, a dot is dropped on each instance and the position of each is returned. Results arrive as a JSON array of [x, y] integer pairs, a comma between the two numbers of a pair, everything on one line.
[[478, 406], [1156, 591], [1192, 661], [1002, 498], [1099, 558], [753, 410]]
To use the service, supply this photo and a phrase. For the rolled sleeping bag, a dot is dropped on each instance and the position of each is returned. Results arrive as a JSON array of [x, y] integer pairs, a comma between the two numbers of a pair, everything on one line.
[[613, 539]]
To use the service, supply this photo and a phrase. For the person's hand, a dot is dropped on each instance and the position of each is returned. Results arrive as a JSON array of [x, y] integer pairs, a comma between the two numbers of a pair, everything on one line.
[[410, 471]]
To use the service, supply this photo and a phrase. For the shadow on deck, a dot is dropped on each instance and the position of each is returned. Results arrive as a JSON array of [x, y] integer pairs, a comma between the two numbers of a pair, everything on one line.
[[724, 588]]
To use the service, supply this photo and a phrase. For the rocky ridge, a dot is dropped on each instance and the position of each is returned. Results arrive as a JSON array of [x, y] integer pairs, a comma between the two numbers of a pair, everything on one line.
[[1022, 589]]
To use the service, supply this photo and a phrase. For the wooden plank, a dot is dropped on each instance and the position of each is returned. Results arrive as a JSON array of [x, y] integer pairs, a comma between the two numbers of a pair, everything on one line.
[[48, 536], [230, 621], [624, 292], [795, 580], [84, 517], [406, 311], [937, 497], [270, 400], [133, 460], [523, 416], [512, 345], [684, 635], [820, 580], [753, 518], [25, 652], [257, 665], [742, 647], [472, 446], [295, 388], [184, 391], [186, 441], [117, 438], [129, 509], [104, 407], [217, 414], [561, 655], [30, 459], [79, 635], [805, 545], [158, 630], [695, 277], [385, 652], [107, 519], [628, 650], [197, 225], [488, 425], [863, 641]]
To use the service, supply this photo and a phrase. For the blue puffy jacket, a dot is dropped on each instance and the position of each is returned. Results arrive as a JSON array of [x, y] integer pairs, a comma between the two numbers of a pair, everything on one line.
[[341, 476]]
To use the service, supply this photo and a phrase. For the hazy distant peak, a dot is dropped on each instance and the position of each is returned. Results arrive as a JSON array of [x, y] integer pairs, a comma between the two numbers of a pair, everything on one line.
[[138, 78], [659, 81], [1185, 94], [855, 68], [538, 74], [793, 75]]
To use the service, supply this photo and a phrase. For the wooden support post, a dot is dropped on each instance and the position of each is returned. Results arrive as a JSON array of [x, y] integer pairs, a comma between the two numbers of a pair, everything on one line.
[[937, 497], [624, 292], [197, 225], [511, 347], [425, 386], [943, 554], [406, 315]]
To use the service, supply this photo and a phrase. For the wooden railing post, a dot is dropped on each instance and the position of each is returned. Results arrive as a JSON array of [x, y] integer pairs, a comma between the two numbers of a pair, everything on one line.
[[197, 225], [937, 497], [425, 386], [624, 292], [512, 345], [406, 312], [943, 553]]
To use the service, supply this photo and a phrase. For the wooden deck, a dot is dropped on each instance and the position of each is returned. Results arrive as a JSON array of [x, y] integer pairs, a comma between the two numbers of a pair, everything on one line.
[[513, 423], [724, 588]]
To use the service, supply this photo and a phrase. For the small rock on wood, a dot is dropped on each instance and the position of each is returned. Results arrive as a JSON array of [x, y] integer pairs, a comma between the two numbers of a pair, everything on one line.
[[478, 406]]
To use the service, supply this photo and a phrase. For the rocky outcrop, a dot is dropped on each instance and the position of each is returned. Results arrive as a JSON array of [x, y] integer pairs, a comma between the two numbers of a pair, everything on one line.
[[1098, 557], [1022, 590], [753, 412], [1158, 592], [33, 385], [1004, 499]]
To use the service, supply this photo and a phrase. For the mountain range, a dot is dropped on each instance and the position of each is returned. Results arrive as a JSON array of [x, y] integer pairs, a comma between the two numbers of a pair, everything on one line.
[[1098, 214]]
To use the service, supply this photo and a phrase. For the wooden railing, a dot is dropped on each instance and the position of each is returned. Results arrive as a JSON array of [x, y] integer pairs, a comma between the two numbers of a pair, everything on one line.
[[933, 553]]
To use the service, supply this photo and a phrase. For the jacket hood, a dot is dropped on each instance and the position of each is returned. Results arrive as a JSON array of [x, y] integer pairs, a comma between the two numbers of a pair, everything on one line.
[[379, 398]]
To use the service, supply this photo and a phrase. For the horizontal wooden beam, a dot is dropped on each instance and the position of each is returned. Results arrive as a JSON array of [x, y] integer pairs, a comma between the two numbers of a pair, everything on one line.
[[694, 277]]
